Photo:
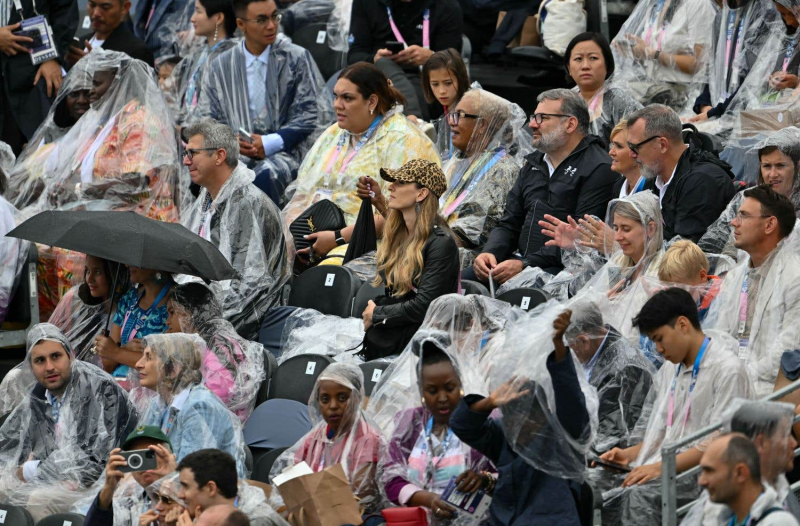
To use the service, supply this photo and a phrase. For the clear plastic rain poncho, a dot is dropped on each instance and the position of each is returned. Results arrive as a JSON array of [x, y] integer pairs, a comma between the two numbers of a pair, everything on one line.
[[306, 12], [122, 154], [62, 444], [339, 26], [615, 367], [233, 368], [308, 331], [13, 252], [531, 424], [681, 32], [325, 174], [721, 379], [607, 107], [246, 228], [176, 36], [407, 426], [480, 178], [766, 325], [169, 486], [772, 422], [355, 445], [297, 104], [188, 412]]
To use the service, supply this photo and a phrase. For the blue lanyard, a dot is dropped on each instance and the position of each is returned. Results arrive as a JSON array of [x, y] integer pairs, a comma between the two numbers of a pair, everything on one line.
[[430, 465], [639, 185], [695, 372], [128, 333], [734, 523]]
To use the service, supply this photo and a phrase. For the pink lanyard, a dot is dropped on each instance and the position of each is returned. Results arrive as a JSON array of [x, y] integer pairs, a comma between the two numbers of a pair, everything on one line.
[[336, 153], [653, 19], [737, 45], [426, 28]]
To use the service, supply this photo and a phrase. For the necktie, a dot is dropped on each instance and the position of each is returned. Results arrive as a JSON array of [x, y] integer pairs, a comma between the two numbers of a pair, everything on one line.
[[258, 94]]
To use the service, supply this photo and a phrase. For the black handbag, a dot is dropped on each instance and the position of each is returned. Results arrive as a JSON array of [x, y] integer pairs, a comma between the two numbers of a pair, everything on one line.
[[322, 216], [381, 341]]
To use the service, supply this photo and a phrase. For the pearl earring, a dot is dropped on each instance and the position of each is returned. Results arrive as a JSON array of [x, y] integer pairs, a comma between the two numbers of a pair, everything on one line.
[[423, 400], [216, 31], [372, 111], [158, 276]]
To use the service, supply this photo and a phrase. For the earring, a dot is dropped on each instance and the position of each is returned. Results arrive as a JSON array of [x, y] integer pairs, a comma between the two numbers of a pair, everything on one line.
[[158, 276], [423, 400], [416, 209], [216, 31], [372, 111], [462, 393]]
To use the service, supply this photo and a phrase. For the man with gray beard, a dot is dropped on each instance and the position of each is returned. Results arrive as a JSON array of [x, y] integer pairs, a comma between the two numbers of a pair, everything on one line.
[[693, 185], [569, 175]]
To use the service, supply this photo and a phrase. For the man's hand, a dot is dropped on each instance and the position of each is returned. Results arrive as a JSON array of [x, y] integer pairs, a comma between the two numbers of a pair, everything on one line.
[[483, 264], [254, 150], [508, 392], [50, 71], [506, 270], [185, 519], [413, 56], [76, 53], [382, 53], [11, 44], [165, 461], [780, 80], [563, 234], [642, 474], [560, 325], [113, 476]]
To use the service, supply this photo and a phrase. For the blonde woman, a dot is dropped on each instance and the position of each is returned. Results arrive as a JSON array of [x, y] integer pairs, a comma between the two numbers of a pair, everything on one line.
[[417, 260]]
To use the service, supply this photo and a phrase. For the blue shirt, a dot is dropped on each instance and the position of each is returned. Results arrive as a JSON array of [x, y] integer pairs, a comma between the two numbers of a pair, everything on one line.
[[273, 143], [156, 322]]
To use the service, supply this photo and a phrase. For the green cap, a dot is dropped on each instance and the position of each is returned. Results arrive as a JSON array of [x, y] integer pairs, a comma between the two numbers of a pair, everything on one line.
[[146, 432]]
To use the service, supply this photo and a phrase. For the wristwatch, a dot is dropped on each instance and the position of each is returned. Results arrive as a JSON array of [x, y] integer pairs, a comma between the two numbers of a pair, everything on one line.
[[337, 234]]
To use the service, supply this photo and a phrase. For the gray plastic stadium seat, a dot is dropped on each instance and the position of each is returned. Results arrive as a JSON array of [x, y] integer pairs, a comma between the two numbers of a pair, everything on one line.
[[327, 289], [365, 293], [62, 519], [294, 379], [264, 465], [524, 298], [373, 370], [15, 515], [473, 287]]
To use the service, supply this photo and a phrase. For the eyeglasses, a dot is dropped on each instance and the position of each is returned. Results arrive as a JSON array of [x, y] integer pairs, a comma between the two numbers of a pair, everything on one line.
[[741, 216], [455, 116], [262, 20], [539, 117], [635, 147], [190, 152]]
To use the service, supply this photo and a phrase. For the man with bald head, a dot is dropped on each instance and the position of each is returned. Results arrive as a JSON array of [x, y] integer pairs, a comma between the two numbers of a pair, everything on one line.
[[731, 473], [222, 515]]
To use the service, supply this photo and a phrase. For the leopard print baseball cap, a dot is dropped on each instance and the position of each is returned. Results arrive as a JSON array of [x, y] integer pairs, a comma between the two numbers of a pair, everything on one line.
[[420, 171]]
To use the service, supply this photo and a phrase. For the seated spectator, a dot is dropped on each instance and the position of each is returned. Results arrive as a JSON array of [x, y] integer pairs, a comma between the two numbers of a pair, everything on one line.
[[703, 365], [532, 490], [223, 515], [788, 59], [213, 20], [423, 454], [370, 133], [208, 478], [570, 174], [662, 51], [123, 499], [167, 507], [693, 185], [240, 221], [589, 63], [185, 410], [109, 32], [13, 252], [759, 297], [769, 426], [779, 160], [685, 264], [444, 81], [165, 69], [732, 476], [151, 17], [622, 376], [417, 260], [742, 27], [342, 434], [233, 368], [139, 313], [421, 27], [272, 90], [52, 446], [623, 162]]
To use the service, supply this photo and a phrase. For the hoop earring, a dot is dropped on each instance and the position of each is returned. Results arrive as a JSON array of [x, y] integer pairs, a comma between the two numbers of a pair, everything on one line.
[[216, 31]]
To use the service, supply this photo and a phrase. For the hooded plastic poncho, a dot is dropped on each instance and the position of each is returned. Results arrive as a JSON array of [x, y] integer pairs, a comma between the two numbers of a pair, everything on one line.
[[246, 228], [297, 106], [531, 425], [63, 443], [233, 368], [308, 331], [607, 107], [773, 422], [767, 300], [325, 175], [406, 465], [355, 445], [13, 254], [480, 177], [673, 28], [188, 412]]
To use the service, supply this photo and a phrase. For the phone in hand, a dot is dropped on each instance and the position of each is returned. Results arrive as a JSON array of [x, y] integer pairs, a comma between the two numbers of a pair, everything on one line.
[[34, 34], [394, 46], [138, 460], [613, 466], [245, 136]]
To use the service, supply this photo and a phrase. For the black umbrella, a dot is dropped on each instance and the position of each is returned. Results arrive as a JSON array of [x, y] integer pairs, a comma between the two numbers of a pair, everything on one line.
[[364, 238], [129, 238]]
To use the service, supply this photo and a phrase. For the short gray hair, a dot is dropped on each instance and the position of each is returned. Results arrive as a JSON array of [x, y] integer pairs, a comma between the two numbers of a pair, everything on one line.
[[572, 104], [216, 135], [659, 120], [586, 319]]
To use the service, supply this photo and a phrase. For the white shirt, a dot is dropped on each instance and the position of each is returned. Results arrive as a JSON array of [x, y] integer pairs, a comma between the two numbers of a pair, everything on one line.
[[249, 58], [623, 192], [662, 187], [94, 42], [549, 164]]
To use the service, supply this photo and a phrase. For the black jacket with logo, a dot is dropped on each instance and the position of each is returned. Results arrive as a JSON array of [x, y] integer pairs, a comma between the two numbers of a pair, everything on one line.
[[582, 184]]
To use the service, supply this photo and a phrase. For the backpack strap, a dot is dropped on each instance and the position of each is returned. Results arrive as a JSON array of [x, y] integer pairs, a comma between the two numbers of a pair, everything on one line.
[[764, 515]]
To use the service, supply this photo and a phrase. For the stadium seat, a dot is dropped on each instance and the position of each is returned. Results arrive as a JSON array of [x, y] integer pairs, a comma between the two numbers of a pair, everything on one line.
[[62, 519], [264, 465], [524, 298], [327, 289], [365, 293], [23, 311], [373, 370], [473, 287], [294, 379], [15, 515], [314, 38], [261, 432], [269, 335], [270, 366]]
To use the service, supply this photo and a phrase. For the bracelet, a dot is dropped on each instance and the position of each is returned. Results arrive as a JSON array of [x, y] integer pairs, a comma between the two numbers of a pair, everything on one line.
[[337, 235], [656, 55], [491, 482]]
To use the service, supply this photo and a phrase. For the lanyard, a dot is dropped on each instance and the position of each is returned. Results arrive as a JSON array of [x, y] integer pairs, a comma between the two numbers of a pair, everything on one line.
[[731, 43], [695, 371], [426, 28], [450, 204], [430, 465], [206, 213], [166, 425], [639, 186], [341, 145], [788, 54], [594, 102], [734, 523], [140, 321], [191, 91], [743, 297], [656, 12]]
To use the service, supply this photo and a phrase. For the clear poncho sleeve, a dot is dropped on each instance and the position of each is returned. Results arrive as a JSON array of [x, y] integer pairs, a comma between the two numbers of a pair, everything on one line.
[[608, 107], [308, 331], [718, 238], [339, 26], [13, 255]]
